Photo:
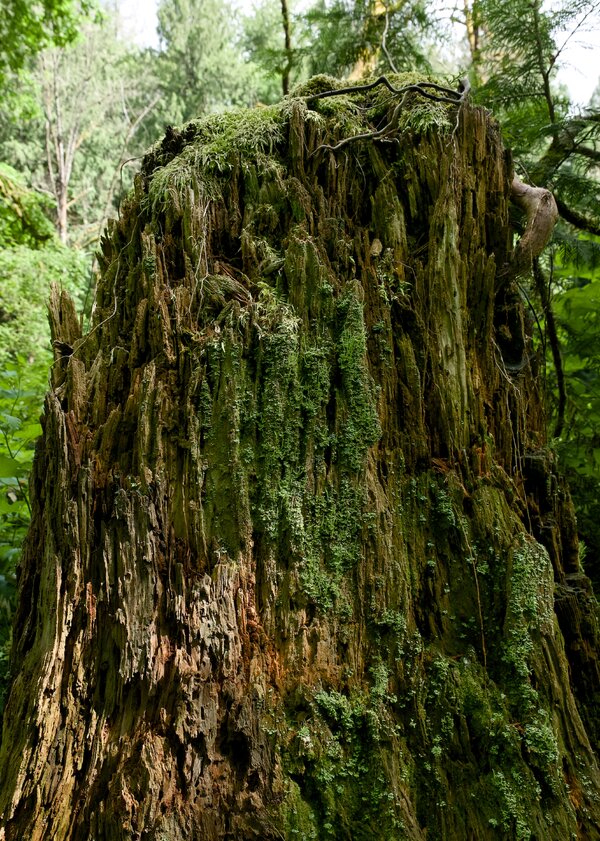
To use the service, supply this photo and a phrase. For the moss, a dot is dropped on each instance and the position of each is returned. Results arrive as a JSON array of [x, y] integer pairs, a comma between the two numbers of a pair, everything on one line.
[[334, 757], [529, 612], [298, 817], [505, 788], [278, 419], [418, 114], [360, 427], [333, 526]]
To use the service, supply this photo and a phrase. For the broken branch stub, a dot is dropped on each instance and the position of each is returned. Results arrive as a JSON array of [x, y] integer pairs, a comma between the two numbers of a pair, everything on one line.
[[541, 211]]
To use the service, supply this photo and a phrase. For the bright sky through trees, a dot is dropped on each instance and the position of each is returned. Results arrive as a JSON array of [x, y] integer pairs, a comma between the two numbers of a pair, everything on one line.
[[580, 70]]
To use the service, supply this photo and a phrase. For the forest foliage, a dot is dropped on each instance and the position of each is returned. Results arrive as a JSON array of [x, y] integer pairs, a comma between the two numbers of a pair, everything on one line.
[[82, 101]]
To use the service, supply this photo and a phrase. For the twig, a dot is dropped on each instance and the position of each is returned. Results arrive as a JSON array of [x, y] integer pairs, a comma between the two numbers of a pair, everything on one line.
[[383, 39], [578, 220], [369, 135], [589, 12]]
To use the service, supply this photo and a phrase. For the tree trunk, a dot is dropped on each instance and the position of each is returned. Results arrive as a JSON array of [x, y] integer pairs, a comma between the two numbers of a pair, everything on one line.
[[287, 38], [296, 532]]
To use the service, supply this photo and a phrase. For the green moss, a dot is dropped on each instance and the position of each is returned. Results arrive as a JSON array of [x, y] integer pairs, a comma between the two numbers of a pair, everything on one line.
[[299, 819], [334, 522], [530, 611], [251, 138], [316, 382], [335, 756], [360, 427], [513, 815], [316, 84], [278, 419], [245, 132]]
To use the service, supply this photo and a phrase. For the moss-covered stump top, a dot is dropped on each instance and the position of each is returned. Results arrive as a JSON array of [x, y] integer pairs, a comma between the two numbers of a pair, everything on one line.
[[296, 533]]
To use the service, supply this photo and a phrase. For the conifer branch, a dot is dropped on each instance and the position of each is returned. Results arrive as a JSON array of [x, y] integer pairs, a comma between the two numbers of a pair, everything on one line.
[[577, 219]]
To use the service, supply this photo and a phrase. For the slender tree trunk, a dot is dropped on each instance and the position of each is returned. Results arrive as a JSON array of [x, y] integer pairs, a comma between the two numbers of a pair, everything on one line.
[[62, 208], [61, 144], [296, 534], [287, 35]]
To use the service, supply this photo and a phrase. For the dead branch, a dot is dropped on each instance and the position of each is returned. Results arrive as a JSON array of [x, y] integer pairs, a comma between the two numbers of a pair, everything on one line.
[[384, 39], [543, 289], [453, 96], [541, 211]]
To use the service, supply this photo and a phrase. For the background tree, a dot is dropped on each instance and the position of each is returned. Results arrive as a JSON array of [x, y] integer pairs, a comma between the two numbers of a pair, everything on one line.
[[368, 36], [263, 44], [72, 150], [199, 64], [26, 28]]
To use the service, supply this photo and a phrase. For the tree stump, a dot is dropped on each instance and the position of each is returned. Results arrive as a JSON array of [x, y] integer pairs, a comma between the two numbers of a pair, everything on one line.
[[296, 529]]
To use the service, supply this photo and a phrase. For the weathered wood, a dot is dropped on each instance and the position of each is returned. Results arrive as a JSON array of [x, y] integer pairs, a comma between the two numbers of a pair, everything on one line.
[[541, 213], [295, 528]]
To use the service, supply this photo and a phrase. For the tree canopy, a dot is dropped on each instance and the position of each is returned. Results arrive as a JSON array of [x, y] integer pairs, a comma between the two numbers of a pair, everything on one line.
[[27, 28]]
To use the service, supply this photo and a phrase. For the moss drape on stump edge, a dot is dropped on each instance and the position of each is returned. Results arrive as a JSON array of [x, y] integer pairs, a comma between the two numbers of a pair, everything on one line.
[[299, 565]]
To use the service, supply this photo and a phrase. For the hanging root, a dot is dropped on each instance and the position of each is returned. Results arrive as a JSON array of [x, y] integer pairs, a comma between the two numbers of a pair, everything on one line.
[[541, 211]]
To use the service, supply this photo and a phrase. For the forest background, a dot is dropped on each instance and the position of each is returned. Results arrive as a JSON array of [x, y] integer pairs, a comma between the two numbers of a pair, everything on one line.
[[82, 99]]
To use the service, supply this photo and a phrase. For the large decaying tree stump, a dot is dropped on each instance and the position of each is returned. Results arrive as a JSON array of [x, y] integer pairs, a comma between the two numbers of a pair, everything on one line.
[[299, 564]]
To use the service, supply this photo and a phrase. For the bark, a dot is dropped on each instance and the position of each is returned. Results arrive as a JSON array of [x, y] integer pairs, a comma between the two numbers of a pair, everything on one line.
[[296, 532], [541, 212]]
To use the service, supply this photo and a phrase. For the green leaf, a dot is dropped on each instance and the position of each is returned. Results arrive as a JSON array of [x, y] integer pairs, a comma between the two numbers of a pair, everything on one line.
[[9, 467], [9, 422]]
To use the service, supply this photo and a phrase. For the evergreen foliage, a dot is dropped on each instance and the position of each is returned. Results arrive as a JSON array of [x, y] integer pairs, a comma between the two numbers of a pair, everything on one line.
[[200, 65], [367, 37]]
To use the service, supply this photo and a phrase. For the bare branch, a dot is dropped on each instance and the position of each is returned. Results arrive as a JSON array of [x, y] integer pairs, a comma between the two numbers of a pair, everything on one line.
[[590, 11], [128, 135], [451, 95], [543, 289]]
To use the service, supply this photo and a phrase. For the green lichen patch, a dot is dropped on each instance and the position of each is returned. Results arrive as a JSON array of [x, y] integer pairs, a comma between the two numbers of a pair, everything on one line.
[[334, 756]]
